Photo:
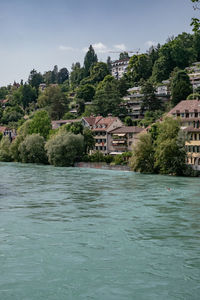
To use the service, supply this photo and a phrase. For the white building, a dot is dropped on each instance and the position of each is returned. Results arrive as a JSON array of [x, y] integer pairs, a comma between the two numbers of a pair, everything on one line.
[[119, 67]]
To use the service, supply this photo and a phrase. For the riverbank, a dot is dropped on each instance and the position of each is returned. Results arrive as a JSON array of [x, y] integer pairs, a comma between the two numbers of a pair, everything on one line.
[[101, 165]]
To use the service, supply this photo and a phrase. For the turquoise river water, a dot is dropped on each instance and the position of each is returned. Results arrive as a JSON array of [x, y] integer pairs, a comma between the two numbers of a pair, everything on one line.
[[70, 233]]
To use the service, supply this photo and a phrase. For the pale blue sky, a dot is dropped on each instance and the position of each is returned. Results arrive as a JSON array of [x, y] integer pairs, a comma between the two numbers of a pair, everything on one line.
[[42, 33]]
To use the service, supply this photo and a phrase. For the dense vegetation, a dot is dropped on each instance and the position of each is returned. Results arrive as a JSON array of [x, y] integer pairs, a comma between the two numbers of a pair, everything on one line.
[[90, 89]]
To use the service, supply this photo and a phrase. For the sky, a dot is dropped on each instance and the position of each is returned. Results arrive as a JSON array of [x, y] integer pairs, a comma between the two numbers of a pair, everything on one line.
[[38, 34]]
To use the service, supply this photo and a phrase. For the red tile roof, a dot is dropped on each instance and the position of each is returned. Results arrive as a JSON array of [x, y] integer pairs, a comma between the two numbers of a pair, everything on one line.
[[190, 105], [127, 129]]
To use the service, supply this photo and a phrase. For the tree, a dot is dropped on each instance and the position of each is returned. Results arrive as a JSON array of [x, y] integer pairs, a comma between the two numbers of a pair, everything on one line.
[[24, 95], [65, 149], [89, 140], [53, 101], [85, 92], [123, 55], [107, 98], [35, 79], [143, 155], [89, 60], [195, 21], [5, 153], [149, 100], [180, 87], [63, 75], [193, 96], [31, 150], [139, 68], [128, 121], [170, 153], [76, 75], [12, 114], [40, 124], [98, 72], [109, 65]]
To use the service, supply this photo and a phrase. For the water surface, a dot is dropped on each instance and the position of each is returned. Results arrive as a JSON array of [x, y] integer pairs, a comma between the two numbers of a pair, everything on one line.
[[70, 233]]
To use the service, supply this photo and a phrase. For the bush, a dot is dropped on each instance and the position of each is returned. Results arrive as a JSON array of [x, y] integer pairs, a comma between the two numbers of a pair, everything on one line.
[[65, 149], [32, 149], [5, 153], [97, 157]]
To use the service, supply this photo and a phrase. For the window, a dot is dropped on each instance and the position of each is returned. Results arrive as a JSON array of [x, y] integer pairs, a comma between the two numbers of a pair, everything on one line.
[[196, 114], [195, 136], [130, 135]]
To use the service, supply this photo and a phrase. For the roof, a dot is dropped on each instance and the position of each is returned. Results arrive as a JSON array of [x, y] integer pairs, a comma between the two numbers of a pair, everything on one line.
[[100, 121], [55, 124], [3, 128], [190, 105], [127, 129], [191, 129]]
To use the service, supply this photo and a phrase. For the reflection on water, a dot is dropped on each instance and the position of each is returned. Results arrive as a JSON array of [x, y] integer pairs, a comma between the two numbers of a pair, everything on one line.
[[69, 233]]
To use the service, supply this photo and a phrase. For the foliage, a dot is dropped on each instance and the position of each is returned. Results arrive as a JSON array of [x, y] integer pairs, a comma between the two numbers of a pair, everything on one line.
[[85, 92], [65, 149], [150, 117], [40, 124], [5, 153], [128, 121], [143, 155], [3, 92], [89, 60], [54, 101], [69, 116], [123, 55], [35, 79], [180, 87], [89, 140], [193, 96], [149, 100], [14, 148], [12, 114], [170, 153], [107, 98], [97, 157], [31, 150], [76, 75], [139, 68], [24, 95], [63, 75]]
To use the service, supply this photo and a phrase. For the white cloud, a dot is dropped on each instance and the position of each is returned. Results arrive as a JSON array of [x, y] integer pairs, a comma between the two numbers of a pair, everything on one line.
[[65, 48], [120, 47], [150, 43], [98, 48]]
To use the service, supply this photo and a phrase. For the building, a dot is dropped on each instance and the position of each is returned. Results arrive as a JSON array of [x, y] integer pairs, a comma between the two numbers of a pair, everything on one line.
[[133, 100], [119, 67], [8, 132], [189, 113], [123, 138], [101, 126]]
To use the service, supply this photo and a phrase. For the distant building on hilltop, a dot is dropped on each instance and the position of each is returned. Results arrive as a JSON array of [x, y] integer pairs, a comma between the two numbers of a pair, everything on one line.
[[119, 67]]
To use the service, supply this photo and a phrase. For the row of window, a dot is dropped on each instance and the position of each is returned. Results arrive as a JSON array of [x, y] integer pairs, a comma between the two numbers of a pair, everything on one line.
[[100, 148], [193, 149], [100, 133], [100, 140], [188, 115], [195, 137]]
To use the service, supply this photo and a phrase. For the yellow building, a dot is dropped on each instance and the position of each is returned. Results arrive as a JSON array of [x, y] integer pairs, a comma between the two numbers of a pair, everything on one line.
[[189, 113]]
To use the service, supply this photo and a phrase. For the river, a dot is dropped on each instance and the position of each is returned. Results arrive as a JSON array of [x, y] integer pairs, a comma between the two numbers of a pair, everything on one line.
[[70, 233]]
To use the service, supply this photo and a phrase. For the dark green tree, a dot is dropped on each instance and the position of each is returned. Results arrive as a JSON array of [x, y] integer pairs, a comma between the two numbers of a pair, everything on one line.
[[63, 75], [139, 68], [123, 55], [149, 100], [180, 87], [85, 92], [76, 75], [109, 64], [89, 60], [53, 101], [35, 79], [107, 98]]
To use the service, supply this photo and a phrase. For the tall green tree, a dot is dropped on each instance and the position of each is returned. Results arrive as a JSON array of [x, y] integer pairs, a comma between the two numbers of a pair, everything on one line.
[[123, 55], [24, 95], [107, 98], [139, 68], [180, 87], [76, 75], [63, 75], [149, 100], [35, 79], [85, 92], [89, 60], [54, 101]]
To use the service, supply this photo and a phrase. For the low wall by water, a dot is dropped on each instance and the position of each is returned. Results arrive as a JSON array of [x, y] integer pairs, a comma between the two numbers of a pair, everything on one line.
[[101, 165]]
